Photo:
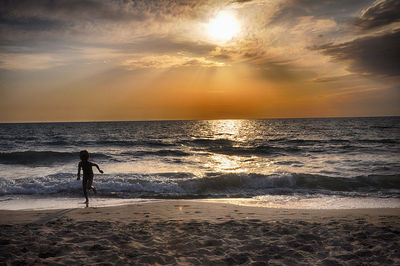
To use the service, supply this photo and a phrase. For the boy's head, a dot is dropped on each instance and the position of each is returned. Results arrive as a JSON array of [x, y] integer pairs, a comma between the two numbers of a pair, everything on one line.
[[84, 155]]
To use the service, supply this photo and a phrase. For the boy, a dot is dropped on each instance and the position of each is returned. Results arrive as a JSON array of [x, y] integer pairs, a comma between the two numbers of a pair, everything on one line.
[[87, 174]]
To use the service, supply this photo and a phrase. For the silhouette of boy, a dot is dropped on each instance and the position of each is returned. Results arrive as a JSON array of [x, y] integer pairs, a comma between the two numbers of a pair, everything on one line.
[[87, 180]]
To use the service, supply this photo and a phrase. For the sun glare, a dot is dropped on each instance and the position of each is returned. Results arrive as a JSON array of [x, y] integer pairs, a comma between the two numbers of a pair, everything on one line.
[[223, 27]]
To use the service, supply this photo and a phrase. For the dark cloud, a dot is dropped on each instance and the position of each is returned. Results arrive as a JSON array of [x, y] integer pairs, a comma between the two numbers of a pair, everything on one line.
[[24, 17], [381, 13], [45, 26], [113, 10], [242, 1], [74, 9], [369, 55], [283, 71], [339, 10], [29, 23], [17, 13], [34, 21], [37, 46], [342, 78]]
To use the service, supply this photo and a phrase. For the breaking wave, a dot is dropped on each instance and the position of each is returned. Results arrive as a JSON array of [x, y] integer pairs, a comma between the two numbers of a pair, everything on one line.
[[181, 185]]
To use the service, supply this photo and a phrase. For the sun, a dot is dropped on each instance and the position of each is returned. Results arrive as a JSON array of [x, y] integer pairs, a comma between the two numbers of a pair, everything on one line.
[[223, 27]]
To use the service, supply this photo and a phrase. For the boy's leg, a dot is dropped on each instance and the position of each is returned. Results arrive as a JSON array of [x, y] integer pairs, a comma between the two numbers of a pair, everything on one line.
[[89, 185], [85, 191], [86, 194]]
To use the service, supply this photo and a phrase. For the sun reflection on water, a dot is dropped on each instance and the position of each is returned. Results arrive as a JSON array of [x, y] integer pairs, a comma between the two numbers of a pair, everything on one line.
[[227, 164], [226, 128]]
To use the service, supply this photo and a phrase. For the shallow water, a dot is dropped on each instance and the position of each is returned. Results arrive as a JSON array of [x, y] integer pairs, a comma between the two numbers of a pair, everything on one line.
[[314, 202]]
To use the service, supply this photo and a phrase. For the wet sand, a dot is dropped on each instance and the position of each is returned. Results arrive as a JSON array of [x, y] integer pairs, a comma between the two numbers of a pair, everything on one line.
[[187, 232]]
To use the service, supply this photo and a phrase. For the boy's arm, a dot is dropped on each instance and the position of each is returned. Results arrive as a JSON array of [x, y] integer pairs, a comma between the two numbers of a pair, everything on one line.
[[79, 171], [98, 168]]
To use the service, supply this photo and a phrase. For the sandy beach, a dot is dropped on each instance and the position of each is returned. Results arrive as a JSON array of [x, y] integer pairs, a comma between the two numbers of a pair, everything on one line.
[[187, 232]]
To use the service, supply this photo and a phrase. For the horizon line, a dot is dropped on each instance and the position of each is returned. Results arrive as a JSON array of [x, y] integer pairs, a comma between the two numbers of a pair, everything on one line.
[[215, 119]]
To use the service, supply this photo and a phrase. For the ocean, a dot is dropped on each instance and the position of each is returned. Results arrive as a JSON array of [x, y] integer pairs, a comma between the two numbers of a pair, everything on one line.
[[283, 163]]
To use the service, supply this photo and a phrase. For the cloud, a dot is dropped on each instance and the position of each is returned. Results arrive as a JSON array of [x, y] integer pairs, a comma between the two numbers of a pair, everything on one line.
[[24, 18], [28, 61], [340, 10], [313, 26], [242, 1], [68, 19], [32, 29], [29, 23], [345, 78], [114, 10], [380, 13], [167, 44], [168, 61], [378, 54], [154, 26], [283, 72]]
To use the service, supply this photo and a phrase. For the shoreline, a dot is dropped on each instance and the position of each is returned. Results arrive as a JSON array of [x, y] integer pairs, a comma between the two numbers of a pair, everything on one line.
[[196, 232], [318, 202]]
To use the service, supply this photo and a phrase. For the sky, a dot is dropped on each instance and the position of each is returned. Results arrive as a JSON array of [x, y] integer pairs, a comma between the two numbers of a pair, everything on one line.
[[88, 60]]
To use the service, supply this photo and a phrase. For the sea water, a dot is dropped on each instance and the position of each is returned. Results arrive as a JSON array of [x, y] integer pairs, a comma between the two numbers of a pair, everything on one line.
[[284, 163]]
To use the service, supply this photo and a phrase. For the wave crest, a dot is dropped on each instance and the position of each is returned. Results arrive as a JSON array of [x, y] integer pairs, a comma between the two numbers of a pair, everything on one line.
[[187, 185]]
